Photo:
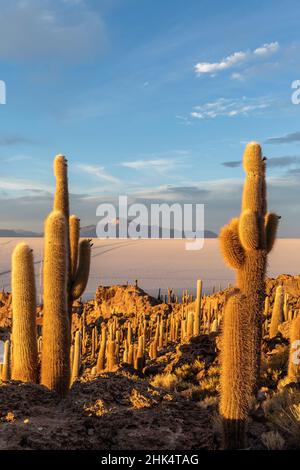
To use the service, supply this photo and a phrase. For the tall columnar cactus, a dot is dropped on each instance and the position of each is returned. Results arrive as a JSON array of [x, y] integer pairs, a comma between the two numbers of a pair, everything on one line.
[[55, 372], [245, 243], [78, 256], [24, 336], [294, 356], [277, 312], [236, 369], [198, 308]]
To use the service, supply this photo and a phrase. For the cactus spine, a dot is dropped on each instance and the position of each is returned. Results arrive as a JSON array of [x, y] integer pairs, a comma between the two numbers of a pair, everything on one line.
[[24, 337], [55, 373]]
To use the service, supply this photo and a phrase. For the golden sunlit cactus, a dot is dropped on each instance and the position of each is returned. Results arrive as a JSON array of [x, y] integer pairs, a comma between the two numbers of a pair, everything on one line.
[[198, 308], [82, 275], [24, 337], [294, 356], [112, 362], [277, 312], [76, 357], [236, 389], [55, 372], [245, 242], [102, 350], [6, 368], [267, 306], [190, 324], [61, 197], [78, 257], [140, 358], [74, 227]]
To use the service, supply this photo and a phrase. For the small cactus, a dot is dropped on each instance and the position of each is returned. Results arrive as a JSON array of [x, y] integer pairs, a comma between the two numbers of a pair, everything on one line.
[[111, 356], [197, 314], [277, 312], [76, 357], [6, 368], [102, 350]]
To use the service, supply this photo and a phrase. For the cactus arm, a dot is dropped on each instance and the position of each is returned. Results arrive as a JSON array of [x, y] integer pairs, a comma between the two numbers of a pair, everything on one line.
[[271, 225], [74, 228], [231, 247], [83, 270], [250, 230]]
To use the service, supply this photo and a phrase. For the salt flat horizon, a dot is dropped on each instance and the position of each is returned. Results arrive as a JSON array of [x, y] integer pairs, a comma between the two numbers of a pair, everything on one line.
[[155, 263]]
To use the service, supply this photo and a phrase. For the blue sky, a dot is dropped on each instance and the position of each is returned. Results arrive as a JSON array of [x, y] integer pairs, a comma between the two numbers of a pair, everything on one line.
[[151, 99]]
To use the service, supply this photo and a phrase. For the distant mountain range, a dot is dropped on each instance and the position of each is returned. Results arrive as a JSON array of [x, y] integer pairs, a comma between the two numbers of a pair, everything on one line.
[[90, 232], [19, 233], [86, 232]]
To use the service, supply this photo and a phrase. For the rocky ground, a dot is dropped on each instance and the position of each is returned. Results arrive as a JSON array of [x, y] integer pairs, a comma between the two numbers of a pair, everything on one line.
[[172, 404]]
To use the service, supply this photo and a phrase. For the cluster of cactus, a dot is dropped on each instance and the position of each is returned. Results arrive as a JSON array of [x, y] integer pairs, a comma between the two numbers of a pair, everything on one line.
[[66, 270], [245, 244], [136, 342]]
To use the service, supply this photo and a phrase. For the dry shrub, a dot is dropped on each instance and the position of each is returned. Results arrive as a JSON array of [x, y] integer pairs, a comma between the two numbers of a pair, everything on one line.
[[272, 440], [185, 372], [277, 360], [168, 381], [98, 408], [138, 400], [283, 411]]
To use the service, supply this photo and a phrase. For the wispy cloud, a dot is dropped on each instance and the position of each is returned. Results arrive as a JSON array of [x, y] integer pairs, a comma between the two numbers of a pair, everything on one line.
[[15, 184], [232, 164], [99, 172], [236, 58], [286, 139], [230, 107], [160, 165], [10, 140], [160, 162], [15, 158], [273, 162]]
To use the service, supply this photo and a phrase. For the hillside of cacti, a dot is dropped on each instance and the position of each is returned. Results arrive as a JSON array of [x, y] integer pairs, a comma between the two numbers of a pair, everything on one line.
[[127, 370], [169, 401]]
